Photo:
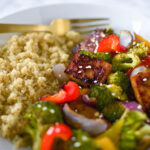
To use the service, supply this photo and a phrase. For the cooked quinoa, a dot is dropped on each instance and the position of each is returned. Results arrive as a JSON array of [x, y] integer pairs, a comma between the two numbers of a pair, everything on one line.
[[26, 63]]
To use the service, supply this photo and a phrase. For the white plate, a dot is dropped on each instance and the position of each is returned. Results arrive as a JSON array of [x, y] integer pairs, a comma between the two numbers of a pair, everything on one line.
[[122, 17]]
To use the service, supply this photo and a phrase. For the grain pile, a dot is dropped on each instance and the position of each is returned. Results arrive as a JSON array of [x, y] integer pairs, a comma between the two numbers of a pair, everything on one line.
[[26, 73]]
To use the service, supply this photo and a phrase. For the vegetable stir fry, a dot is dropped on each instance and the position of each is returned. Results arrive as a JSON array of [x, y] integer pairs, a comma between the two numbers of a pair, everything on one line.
[[93, 109]]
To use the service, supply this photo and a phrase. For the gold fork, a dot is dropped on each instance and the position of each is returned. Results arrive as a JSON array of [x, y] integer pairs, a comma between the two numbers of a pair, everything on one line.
[[57, 26]]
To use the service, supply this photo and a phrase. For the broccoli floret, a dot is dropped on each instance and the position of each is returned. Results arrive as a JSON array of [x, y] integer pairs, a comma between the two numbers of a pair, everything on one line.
[[113, 111], [108, 30], [140, 49], [106, 94], [129, 133], [106, 56], [102, 94], [40, 116], [124, 61], [81, 141], [120, 79], [106, 102], [86, 53], [117, 92], [133, 121]]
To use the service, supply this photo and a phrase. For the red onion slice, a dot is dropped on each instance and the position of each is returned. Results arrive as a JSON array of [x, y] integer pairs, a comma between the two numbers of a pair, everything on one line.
[[126, 38], [92, 126], [89, 100], [132, 105], [58, 71], [137, 70]]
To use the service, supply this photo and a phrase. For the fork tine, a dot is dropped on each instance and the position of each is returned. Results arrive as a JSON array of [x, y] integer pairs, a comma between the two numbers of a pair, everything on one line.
[[87, 20], [88, 26], [85, 31], [83, 36]]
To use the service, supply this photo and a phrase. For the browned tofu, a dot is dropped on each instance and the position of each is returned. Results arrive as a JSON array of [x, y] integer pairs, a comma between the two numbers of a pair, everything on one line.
[[141, 86], [91, 43], [87, 70]]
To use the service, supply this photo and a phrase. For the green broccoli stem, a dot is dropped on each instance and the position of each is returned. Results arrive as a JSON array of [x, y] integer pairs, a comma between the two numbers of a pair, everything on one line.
[[37, 141], [40, 130], [35, 135], [40, 116]]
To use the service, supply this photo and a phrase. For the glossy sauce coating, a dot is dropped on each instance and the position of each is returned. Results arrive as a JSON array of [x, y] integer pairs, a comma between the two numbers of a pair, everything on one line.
[[91, 43], [141, 86], [87, 70]]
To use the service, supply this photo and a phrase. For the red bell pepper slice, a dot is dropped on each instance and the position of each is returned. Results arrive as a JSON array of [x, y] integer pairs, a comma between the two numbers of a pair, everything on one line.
[[56, 98], [70, 92], [110, 43], [145, 62], [56, 131], [123, 49], [129, 71]]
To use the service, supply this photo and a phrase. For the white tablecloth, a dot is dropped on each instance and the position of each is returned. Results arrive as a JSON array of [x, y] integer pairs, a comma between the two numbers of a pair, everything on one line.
[[10, 6]]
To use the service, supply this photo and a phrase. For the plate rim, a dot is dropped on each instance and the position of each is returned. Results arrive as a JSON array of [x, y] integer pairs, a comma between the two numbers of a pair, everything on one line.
[[38, 6], [60, 3]]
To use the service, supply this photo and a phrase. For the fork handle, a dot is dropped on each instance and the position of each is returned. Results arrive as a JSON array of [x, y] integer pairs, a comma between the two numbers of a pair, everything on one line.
[[7, 28]]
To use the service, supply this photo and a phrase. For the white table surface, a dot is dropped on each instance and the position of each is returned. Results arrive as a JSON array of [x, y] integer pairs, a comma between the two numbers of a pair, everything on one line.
[[10, 6]]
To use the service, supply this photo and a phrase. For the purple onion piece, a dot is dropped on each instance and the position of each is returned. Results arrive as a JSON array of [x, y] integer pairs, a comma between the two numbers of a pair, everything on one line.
[[137, 70], [92, 126], [58, 71], [89, 100], [126, 38], [132, 105], [76, 49]]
